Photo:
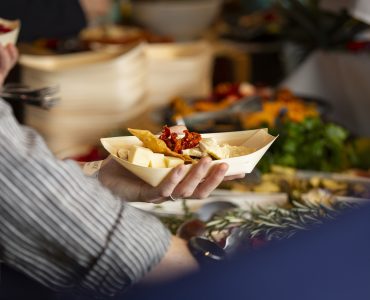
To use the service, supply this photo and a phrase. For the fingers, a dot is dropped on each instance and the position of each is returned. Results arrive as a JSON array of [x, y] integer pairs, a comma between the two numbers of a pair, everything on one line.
[[196, 174], [212, 181], [199, 182], [180, 184], [169, 184]]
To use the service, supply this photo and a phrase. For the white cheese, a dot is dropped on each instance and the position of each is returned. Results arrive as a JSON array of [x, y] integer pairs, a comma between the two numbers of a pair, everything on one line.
[[196, 152], [140, 156], [172, 162], [210, 146], [157, 161], [223, 151]]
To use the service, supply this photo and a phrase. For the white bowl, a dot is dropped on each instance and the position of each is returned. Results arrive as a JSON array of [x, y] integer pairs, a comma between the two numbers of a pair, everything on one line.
[[181, 20], [257, 139], [11, 36]]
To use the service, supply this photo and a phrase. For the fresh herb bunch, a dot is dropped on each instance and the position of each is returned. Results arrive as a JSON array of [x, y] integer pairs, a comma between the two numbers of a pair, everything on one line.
[[311, 144], [267, 224], [312, 27], [277, 223]]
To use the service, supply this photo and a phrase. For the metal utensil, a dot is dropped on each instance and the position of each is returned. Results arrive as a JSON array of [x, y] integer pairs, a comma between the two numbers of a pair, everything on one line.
[[16, 88], [44, 97]]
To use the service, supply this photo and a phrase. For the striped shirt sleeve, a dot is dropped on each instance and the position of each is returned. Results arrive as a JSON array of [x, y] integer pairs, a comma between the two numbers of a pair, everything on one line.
[[64, 229]]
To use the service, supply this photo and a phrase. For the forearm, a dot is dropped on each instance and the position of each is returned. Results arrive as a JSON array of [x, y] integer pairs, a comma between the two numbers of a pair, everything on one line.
[[177, 262]]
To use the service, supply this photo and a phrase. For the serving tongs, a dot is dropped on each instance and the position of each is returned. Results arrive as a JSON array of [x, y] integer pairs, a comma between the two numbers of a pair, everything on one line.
[[243, 105], [44, 97]]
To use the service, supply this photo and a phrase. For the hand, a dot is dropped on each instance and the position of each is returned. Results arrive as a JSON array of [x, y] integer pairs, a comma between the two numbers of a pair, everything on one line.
[[95, 8], [8, 58], [178, 184]]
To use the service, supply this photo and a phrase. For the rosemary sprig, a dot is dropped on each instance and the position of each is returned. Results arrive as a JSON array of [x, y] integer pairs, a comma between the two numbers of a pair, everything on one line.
[[271, 223], [277, 223]]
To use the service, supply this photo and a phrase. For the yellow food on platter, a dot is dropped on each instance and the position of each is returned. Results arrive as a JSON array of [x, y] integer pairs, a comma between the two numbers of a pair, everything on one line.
[[145, 157]]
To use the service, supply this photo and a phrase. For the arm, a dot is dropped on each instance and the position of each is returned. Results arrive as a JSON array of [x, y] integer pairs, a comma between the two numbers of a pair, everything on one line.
[[66, 231], [177, 261]]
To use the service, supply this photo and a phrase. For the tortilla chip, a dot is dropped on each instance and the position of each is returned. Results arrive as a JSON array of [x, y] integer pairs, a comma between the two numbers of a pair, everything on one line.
[[156, 145]]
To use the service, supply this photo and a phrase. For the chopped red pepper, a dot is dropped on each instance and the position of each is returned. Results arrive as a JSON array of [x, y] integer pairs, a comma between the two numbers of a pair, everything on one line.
[[190, 140]]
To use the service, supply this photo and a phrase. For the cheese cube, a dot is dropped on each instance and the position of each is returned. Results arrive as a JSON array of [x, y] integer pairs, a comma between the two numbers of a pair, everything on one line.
[[123, 153], [140, 156], [157, 161], [172, 162]]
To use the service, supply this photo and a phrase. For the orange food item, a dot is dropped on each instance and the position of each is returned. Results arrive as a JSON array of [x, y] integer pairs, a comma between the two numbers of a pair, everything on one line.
[[286, 106]]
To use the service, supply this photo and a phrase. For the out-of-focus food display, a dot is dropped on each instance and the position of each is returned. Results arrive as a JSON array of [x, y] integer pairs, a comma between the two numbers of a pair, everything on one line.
[[274, 105], [240, 106], [285, 106], [119, 34], [297, 183], [223, 96], [218, 112], [308, 139], [151, 157], [94, 37]]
